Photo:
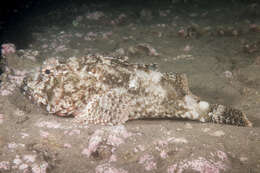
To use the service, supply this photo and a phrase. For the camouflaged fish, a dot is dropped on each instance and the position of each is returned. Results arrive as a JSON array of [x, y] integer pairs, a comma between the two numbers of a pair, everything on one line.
[[106, 90]]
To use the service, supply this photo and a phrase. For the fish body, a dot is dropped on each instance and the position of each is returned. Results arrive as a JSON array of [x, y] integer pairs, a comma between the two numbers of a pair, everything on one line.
[[105, 90]]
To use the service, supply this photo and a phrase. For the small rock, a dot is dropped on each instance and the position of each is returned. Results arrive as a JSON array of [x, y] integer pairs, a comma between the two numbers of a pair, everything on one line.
[[218, 133], [187, 48], [120, 51], [206, 129], [148, 49], [228, 74], [1, 118], [67, 145], [4, 165], [7, 49], [23, 166], [29, 158], [257, 60], [243, 159], [188, 126], [148, 161]]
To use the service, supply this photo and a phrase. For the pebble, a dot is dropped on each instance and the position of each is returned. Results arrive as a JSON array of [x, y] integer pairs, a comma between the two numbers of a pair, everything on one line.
[[243, 159], [1, 118], [218, 133], [228, 74]]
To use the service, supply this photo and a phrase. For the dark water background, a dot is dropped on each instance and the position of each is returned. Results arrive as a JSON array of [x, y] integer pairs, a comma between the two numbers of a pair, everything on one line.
[[16, 25]]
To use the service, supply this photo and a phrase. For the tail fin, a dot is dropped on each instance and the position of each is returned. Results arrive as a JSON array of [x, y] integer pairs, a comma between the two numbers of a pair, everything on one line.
[[227, 115]]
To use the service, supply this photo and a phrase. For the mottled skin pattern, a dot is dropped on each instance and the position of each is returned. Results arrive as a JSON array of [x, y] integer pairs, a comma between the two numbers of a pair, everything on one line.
[[106, 90]]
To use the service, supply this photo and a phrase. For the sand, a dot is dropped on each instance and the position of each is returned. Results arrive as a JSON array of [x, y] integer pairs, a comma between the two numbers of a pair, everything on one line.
[[217, 46]]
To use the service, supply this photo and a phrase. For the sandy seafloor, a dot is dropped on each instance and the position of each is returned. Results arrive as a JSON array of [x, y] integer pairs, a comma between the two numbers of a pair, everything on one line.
[[218, 49]]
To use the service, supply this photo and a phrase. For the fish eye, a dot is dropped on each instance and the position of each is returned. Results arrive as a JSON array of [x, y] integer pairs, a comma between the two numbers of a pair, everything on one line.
[[47, 71]]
